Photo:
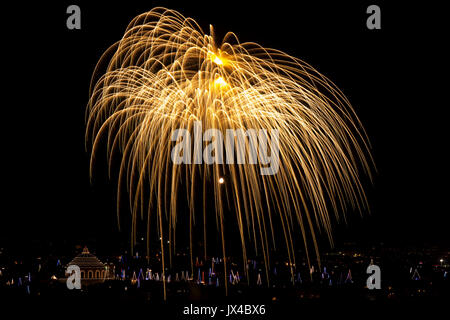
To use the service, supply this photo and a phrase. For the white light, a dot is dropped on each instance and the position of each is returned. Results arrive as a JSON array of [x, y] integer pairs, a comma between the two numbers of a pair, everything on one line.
[[220, 82], [221, 180], [218, 61]]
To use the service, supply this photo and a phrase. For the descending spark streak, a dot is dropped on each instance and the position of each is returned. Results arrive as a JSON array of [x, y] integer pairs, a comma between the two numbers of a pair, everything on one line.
[[166, 73]]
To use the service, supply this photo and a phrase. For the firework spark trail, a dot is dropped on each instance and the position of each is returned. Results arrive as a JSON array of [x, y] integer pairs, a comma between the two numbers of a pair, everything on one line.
[[166, 73]]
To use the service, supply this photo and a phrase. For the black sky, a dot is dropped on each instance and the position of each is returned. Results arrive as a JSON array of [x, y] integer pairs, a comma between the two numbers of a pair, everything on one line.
[[391, 76]]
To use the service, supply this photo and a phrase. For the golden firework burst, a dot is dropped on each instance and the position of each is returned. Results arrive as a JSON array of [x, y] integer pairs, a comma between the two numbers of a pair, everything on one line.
[[166, 74]]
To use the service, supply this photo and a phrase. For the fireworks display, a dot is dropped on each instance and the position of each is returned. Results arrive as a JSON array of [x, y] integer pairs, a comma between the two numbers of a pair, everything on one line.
[[166, 74]]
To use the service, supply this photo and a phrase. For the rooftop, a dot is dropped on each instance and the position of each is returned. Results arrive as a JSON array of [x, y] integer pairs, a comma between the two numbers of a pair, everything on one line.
[[87, 260]]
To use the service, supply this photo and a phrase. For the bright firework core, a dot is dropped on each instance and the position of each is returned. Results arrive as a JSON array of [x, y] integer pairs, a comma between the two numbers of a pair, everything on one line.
[[165, 74], [215, 58], [220, 82]]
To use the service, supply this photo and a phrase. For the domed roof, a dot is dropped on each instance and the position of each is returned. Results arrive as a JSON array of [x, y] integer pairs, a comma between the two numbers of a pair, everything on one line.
[[86, 260]]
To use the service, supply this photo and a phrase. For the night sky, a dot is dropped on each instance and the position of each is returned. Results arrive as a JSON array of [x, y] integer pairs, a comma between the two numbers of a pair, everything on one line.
[[391, 77]]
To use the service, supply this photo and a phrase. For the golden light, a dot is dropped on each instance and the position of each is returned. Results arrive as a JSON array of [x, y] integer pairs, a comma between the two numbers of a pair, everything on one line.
[[157, 79], [220, 82], [215, 58]]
